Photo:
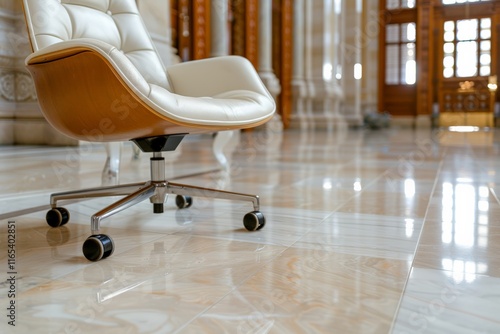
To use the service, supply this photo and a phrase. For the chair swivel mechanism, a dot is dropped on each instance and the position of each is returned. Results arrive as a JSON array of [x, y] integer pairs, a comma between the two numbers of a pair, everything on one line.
[[99, 78]]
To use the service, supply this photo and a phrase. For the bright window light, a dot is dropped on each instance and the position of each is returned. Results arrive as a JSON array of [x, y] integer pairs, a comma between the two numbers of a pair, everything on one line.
[[358, 71], [411, 72]]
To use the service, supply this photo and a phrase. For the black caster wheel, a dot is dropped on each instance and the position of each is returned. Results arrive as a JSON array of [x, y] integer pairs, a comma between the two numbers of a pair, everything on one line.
[[98, 247], [183, 202], [57, 217], [254, 221]]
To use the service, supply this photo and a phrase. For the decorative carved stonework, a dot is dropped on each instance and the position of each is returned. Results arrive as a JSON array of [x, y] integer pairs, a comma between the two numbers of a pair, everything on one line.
[[8, 87], [17, 86], [25, 89]]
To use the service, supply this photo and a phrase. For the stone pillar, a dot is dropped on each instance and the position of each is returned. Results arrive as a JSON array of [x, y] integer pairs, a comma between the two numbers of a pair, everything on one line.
[[219, 35], [317, 50], [352, 65], [265, 68], [369, 41], [156, 16], [299, 117], [265, 48], [330, 64]]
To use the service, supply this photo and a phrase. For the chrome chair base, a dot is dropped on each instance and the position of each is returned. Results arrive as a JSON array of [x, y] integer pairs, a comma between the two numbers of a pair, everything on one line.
[[99, 246]]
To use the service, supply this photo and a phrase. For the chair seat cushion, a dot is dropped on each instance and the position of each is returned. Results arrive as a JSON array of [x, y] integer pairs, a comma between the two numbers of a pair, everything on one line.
[[225, 109]]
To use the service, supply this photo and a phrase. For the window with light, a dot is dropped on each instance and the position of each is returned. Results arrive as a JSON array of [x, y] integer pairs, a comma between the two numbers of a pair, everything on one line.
[[401, 68], [467, 48]]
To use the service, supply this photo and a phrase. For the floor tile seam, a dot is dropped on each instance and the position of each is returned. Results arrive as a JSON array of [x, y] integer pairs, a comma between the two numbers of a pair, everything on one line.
[[403, 292], [338, 207], [437, 303], [358, 194], [485, 170], [314, 227], [494, 194], [19, 213], [159, 237], [30, 210], [214, 237], [29, 152], [230, 291]]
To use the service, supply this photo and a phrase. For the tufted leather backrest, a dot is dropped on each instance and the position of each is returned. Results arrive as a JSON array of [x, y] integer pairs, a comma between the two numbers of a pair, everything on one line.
[[115, 22]]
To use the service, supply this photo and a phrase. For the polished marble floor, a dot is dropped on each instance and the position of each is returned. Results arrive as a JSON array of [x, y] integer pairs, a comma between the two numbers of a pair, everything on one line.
[[368, 231]]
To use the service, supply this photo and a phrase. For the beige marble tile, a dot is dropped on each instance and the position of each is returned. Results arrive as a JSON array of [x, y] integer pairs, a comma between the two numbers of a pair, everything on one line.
[[464, 246], [44, 253], [439, 301], [365, 235], [311, 291], [366, 232], [155, 286]]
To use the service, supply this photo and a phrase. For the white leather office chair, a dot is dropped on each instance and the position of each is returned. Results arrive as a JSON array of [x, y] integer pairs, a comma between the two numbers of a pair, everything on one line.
[[99, 78]]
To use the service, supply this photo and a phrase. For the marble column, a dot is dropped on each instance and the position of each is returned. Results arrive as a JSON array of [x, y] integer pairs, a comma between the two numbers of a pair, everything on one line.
[[265, 69], [265, 48], [219, 36], [299, 88], [352, 66], [369, 42], [317, 49]]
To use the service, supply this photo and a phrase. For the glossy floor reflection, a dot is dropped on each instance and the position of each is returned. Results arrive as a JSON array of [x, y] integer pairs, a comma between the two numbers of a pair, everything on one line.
[[388, 231]]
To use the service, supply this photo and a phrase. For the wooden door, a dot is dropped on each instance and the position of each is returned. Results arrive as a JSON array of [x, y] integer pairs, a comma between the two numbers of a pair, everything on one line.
[[398, 59]]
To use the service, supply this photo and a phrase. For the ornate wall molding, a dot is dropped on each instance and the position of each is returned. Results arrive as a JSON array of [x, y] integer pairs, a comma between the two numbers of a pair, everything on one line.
[[17, 86], [8, 87], [21, 121]]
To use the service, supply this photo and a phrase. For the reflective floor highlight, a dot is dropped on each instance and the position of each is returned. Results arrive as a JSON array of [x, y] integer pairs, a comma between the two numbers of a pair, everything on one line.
[[367, 231]]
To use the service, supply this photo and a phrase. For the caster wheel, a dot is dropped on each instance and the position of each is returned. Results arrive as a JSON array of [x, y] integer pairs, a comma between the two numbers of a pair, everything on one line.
[[98, 247], [57, 217], [183, 202], [254, 221]]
